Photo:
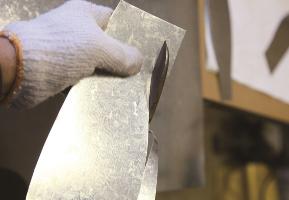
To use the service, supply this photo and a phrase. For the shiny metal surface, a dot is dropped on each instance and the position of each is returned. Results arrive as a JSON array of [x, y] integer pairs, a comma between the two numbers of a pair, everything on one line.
[[98, 144]]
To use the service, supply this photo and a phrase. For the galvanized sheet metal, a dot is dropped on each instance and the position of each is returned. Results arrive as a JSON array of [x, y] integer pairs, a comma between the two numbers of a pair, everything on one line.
[[98, 144]]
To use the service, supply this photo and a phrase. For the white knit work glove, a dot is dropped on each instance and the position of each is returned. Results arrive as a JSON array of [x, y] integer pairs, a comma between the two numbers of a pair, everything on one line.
[[65, 45]]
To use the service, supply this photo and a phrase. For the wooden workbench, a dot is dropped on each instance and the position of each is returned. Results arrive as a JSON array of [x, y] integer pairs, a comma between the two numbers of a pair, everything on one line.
[[244, 98]]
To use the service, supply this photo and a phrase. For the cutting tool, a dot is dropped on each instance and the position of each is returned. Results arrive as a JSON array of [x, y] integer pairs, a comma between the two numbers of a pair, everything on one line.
[[220, 25], [158, 79], [279, 44]]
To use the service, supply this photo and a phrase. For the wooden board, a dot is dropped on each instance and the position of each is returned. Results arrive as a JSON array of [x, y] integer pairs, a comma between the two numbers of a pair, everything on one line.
[[244, 98]]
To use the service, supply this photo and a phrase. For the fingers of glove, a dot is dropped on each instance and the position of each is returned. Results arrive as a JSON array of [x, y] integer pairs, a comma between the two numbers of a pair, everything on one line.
[[120, 58], [101, 14]]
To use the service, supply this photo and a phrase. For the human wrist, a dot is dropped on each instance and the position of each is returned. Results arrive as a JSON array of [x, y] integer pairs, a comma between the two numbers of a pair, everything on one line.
[[7, 64]]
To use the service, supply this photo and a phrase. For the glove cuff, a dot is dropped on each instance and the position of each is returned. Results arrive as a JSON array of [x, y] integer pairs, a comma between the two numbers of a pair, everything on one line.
[[44, 63]]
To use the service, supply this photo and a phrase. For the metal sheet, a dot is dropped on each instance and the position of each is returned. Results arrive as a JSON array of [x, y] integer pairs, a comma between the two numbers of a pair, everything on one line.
[[98, 144]]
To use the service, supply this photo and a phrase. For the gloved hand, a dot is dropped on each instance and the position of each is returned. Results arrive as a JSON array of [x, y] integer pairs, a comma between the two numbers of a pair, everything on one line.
[[65, 45]]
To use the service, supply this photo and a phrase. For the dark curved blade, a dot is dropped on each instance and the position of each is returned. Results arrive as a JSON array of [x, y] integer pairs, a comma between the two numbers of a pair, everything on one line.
[[158, 79]]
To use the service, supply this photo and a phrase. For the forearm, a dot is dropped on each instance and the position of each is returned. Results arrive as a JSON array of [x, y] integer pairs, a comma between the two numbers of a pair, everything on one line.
[[7, 64]]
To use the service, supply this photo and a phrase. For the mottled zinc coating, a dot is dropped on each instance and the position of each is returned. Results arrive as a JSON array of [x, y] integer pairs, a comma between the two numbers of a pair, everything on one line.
[[97, 147]]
